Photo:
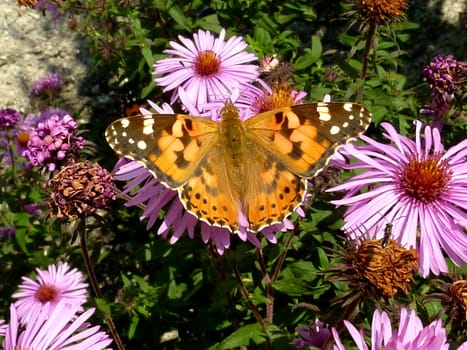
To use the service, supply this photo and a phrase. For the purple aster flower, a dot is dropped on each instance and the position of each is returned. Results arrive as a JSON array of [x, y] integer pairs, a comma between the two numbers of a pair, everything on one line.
[[33, 209], [3, 328], [411, 335], [254, 100], [52, 82], [9, 118], [415, 185], [53, 142], [208, 68], [7, 232], [63, 328], [59, 283], [315, 336], [49, 7], [437, 108]]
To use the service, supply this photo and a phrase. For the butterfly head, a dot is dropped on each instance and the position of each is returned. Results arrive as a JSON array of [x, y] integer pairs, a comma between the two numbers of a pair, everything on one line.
[[229, 111]]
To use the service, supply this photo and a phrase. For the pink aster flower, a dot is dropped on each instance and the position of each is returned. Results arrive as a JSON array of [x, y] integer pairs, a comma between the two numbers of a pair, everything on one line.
[[208, 68], [59, 283], [63, 328], [411, 335], [263, 97], [417, 186], [145, 190], [53, 142]]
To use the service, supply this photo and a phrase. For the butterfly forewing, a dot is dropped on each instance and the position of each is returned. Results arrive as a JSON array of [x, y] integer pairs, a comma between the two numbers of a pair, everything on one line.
[[304, 137], [170, 146]]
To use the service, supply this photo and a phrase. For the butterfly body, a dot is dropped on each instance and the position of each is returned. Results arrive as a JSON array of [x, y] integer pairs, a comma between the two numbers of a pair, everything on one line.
[[236, 173]]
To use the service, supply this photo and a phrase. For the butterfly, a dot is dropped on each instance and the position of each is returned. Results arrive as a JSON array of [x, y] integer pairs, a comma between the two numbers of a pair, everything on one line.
[[231, 170], [131, 104]]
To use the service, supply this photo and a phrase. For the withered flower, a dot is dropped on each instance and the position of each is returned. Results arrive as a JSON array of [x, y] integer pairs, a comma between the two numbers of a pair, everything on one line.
[[452, 293], [80, 189], [387, 268], [373, 269], [26, 3], [378, 11], [273, 70]]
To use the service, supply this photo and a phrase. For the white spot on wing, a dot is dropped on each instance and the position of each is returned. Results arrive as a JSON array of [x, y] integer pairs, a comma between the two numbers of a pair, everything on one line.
[[141, 145], [147, 129], [124, 122], [334, 130], [348, 107]]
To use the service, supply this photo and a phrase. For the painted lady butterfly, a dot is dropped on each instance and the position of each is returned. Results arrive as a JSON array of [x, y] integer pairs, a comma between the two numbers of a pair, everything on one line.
[[230, 170]]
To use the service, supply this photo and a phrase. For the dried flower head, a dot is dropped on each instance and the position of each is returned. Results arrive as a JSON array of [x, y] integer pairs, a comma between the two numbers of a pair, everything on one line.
[[26, 3], [275, 71], [459, 291], [452, 293], [388, 268], [378, 11], [80, 189], [374, 268]]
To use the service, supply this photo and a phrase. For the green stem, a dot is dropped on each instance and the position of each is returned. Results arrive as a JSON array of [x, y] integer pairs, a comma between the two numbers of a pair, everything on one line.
[[94, 283], [269, 289], [245, 294], [369, 38]]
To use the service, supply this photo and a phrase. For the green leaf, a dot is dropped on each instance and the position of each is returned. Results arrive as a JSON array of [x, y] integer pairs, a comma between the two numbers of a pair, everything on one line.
[[210, 22], [177, 15], [133, 325], [248, 335]]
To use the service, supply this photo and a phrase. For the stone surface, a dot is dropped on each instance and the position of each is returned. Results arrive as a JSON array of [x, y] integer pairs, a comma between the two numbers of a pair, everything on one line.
[[31, 47]]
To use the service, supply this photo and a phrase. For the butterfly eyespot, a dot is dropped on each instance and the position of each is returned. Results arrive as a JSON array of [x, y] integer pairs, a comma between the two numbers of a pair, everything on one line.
[[255, 169]]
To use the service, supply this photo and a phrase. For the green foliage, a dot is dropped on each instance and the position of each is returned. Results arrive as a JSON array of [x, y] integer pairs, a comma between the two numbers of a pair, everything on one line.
[[151, 287]]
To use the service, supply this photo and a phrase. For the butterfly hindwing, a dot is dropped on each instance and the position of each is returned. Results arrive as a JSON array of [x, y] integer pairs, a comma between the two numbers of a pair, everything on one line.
[[271, 192], [210, 195], [170, 146], [304, 137]]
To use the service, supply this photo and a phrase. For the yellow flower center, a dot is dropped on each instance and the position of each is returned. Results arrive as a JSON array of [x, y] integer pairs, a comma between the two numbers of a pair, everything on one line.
[[382, 10], [281, 96], [207, 63], [46, 293], [425, 180]]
